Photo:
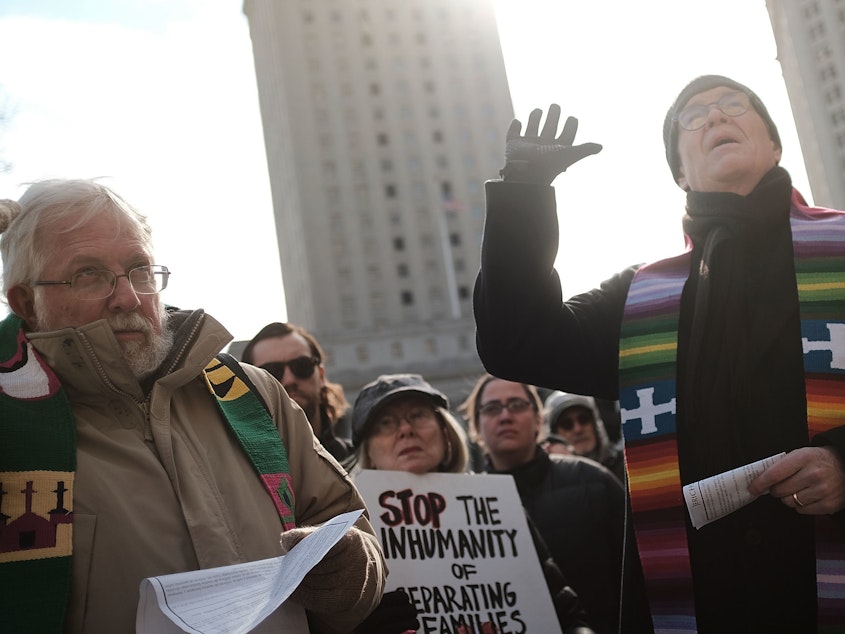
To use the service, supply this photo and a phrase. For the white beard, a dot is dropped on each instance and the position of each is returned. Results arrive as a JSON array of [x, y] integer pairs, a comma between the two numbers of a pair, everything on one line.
[[142, 357]]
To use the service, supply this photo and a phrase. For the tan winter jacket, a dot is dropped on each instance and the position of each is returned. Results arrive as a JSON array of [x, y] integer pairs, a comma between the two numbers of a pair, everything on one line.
[[162, 486]]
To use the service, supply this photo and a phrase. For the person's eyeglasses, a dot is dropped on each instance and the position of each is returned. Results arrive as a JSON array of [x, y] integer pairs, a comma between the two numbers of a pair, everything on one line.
[[732, 104], [513, 405], [100, 283], [417, 418], [582, 418], [302, 367]]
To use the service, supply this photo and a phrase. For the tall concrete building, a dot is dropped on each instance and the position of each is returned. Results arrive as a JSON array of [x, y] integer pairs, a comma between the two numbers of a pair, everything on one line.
[[810, 37], [382, 120]]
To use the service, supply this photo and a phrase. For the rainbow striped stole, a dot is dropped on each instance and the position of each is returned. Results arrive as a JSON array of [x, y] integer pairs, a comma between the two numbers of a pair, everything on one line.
[[647, 370]]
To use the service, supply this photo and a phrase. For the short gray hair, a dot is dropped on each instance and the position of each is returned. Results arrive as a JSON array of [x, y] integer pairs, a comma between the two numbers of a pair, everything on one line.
[[44, 204]]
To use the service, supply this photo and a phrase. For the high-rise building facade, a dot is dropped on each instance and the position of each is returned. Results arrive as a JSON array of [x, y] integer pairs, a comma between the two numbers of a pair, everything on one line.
[[810, 37], [382, 120]]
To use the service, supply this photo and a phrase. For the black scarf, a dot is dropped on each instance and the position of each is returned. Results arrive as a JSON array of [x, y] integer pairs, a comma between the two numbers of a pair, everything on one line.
[[739, 244]]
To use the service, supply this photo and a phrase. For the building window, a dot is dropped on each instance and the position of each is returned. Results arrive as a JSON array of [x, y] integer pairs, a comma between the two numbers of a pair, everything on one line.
[[463, 292], [374, 274], [363, 353], [828, 73], [402, 269], [455, 239], [399, 243], [817, 31], [390, 191], [396, 350], [407, 298]]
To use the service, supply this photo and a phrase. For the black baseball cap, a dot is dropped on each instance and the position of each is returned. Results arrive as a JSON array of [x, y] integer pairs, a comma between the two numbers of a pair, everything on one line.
[[375, 394]]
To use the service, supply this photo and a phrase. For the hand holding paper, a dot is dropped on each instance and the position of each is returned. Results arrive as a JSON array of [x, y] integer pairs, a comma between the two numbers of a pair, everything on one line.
[[337, 568], [713, 498], [234, 599]]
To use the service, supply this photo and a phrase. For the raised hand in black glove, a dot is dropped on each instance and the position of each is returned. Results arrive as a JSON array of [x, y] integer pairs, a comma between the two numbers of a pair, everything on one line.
[[394, 615], [538, 157]]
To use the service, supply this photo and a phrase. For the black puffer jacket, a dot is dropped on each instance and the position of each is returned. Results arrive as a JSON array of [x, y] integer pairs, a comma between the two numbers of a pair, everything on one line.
[[578, 507]]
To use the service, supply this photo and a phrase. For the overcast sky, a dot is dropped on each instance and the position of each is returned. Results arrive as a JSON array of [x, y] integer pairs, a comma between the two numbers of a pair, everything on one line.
[[160, 98]]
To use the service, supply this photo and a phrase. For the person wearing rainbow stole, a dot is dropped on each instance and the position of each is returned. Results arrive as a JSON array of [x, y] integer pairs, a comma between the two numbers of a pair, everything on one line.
[[131, 447], [724, 355]]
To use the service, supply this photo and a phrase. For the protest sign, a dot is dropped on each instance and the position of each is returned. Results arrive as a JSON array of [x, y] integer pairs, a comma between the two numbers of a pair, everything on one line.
[[459, 545]]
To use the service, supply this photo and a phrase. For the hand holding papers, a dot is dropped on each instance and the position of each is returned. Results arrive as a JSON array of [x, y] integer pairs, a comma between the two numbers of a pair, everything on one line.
[[713, 498], [233, 599]]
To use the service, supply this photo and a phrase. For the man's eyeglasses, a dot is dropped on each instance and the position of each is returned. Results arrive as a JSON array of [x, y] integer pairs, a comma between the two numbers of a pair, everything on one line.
[[513, 405], [732, 104], [100, 283], [582, 418], [302, 367], [417, 417]]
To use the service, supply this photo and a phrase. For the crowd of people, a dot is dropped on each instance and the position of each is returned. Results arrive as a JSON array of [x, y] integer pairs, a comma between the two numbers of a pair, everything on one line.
[[132, 445]]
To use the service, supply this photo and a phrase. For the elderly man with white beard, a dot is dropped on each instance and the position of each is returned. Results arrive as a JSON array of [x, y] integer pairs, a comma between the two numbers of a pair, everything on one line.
[[128, 442]]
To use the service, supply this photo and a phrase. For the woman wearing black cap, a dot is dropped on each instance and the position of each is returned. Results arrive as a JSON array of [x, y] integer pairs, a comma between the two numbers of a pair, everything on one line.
[[401, 423]]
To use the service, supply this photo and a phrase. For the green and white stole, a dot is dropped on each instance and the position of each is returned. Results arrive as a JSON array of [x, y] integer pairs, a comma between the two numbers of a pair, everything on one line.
[[647, 364], [38, 464]]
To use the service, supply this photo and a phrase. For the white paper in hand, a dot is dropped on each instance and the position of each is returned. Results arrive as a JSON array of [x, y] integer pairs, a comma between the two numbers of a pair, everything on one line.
[[712, 498], [232, 599]]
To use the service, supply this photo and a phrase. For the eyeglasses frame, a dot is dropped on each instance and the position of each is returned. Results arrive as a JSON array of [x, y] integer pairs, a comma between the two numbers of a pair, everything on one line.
[[158, 269]]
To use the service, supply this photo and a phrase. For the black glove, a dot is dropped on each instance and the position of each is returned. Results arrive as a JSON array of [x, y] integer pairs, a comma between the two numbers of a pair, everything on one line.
[[394, 615], [539, 158]]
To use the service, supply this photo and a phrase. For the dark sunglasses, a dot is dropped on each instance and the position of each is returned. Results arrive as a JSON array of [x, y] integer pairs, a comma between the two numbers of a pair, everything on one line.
[[302, 367], [583, 418]]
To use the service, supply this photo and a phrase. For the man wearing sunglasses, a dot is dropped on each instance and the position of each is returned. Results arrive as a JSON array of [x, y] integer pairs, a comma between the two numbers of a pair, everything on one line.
[[725, 355], [129, 448], [576, 419], [294, 357]]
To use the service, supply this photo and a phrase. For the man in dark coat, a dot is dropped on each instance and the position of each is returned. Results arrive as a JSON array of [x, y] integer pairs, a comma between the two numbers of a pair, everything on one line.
[[723, 356]]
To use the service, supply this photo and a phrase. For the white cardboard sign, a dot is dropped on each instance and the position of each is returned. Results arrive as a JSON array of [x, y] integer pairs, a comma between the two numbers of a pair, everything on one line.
[[459, 545]]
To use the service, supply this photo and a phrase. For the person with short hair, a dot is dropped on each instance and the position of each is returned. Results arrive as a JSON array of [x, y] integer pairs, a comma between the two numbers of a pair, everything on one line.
[[130, 447], [294, 356], [577, 505], [722, 356]]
